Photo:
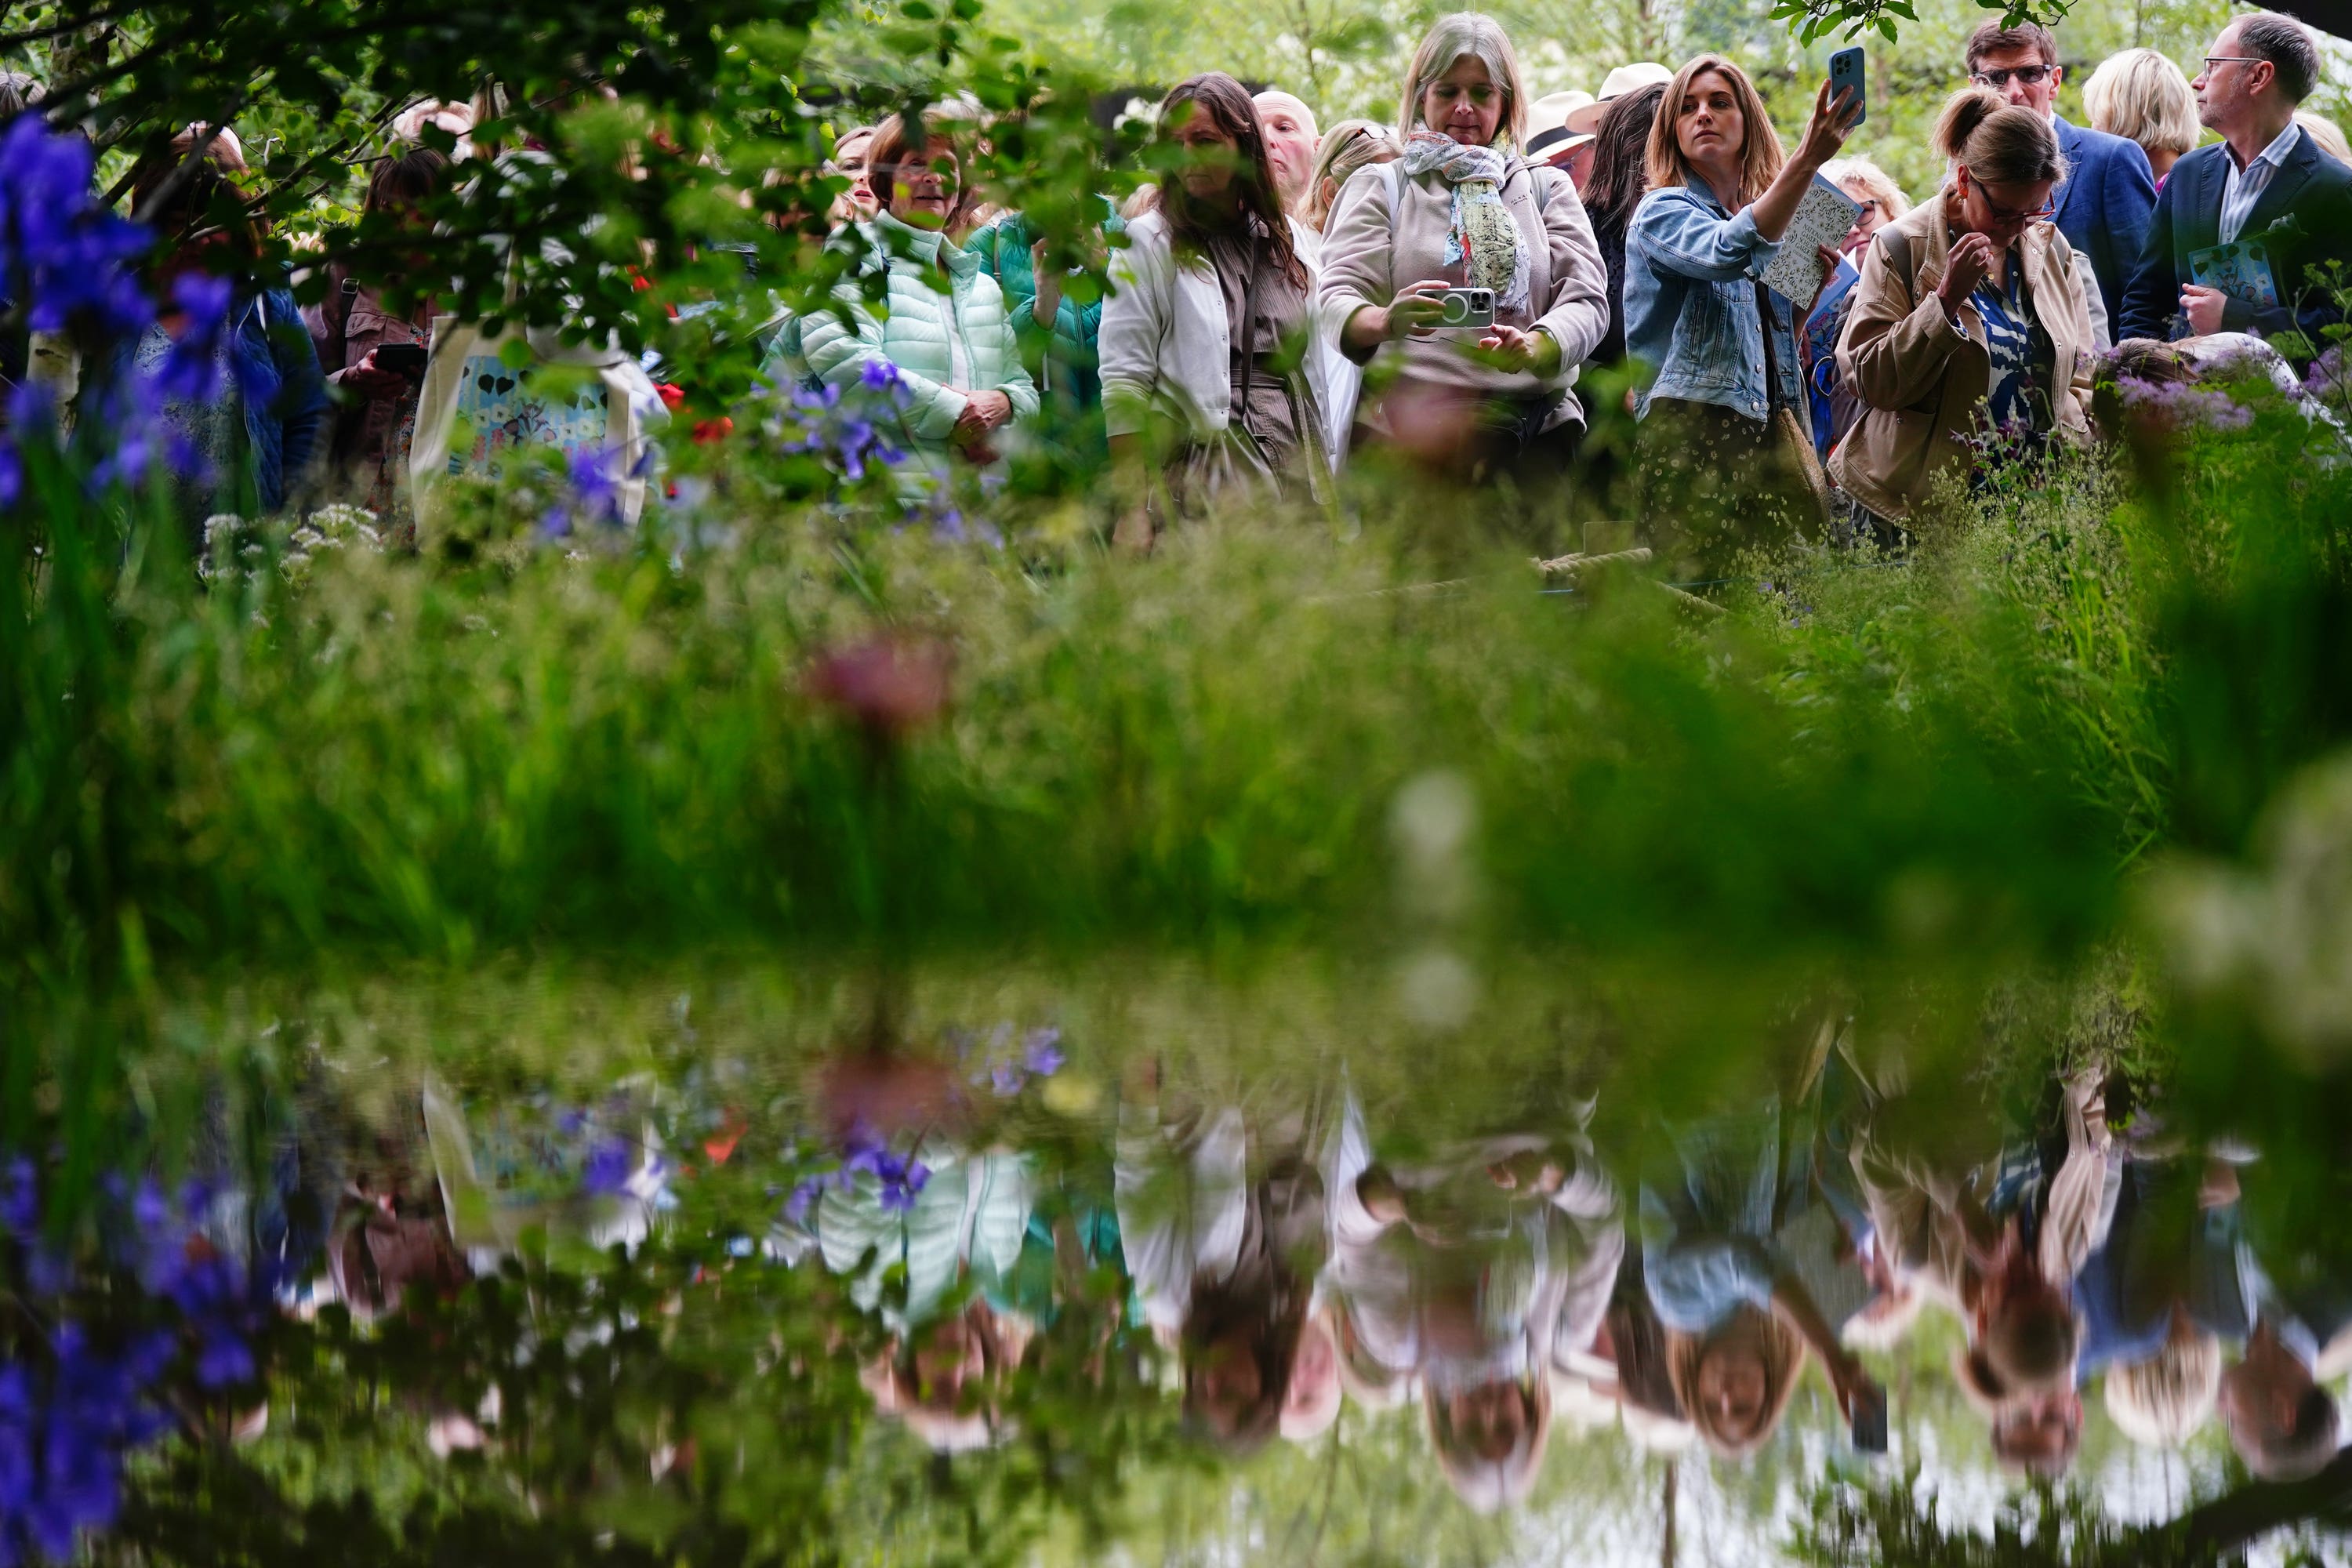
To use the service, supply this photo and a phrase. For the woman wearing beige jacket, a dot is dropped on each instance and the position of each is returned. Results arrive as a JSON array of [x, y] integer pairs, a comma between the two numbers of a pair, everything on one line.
[[1971, 318], [1462, 209]]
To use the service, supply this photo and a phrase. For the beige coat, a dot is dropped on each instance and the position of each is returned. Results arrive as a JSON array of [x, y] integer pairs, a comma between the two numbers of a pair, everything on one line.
[[1921, 381], [1570, 285]]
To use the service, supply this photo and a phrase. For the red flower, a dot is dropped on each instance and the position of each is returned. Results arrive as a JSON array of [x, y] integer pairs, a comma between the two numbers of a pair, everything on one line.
[[890, 685]]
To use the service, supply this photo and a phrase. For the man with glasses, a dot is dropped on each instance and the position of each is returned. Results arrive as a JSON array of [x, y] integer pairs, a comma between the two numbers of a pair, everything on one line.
[[2266, 183], [2107, 199]]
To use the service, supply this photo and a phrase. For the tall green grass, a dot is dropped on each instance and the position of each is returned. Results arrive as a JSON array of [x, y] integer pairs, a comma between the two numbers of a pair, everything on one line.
[[614, 751]]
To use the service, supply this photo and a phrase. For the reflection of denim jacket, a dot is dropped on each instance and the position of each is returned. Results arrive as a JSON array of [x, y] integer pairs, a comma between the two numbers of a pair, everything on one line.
[[1690, 304]]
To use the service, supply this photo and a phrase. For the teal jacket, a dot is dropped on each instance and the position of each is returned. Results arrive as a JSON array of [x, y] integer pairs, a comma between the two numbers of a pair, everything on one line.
[[1062, 358], [943, 342]]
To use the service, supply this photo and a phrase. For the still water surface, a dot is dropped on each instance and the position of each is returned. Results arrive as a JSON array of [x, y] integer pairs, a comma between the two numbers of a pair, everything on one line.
[[1319, 1266]]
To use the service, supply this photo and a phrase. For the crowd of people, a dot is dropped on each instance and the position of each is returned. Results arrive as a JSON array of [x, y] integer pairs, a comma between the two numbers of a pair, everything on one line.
[[1281, 303], [1292, 1257], [1437, 292]]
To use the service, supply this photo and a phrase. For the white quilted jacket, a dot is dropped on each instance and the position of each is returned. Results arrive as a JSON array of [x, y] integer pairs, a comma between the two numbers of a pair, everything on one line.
[[942, 344]]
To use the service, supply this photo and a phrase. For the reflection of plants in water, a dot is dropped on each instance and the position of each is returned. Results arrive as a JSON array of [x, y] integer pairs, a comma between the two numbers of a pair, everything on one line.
[[1895, 1524]]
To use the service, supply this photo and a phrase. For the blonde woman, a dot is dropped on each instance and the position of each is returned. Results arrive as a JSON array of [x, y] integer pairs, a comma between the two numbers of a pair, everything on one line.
[[1971, 312], [1350, 145], [1718, 348], [2141, 96], [1882, 199], [2161, 1401], [1461, 207]]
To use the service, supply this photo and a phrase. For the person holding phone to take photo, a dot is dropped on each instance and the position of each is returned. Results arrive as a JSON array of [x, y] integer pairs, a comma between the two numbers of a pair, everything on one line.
[[1720, 348], [1463, 209]]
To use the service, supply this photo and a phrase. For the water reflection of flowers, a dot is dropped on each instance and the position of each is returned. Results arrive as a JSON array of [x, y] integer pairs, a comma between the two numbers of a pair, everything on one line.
[[1004, 1066], [898, 1179], [75, 1403]]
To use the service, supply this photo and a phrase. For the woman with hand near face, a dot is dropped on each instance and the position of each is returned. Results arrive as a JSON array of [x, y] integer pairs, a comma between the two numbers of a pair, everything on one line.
[[1971, 308], [946, 339], [1204, 334], [1719, 347], [1463, 208]]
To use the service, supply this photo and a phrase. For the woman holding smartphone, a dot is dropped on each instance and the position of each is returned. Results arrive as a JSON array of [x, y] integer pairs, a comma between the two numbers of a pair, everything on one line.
[[1719, 347], [1462, 209]]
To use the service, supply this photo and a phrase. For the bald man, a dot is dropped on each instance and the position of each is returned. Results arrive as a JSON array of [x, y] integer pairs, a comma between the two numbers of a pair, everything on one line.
[[1291, 137]]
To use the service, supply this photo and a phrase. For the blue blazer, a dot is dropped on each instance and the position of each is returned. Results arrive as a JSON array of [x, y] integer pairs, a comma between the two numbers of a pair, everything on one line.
[[2311, 187], [2105, 206]]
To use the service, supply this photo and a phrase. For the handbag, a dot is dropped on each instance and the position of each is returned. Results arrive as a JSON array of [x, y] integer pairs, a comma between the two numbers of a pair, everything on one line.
[[473, 375], [1788, 437]]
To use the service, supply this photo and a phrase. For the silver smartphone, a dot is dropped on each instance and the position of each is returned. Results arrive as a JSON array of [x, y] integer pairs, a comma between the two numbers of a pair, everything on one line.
[[1466, 308]]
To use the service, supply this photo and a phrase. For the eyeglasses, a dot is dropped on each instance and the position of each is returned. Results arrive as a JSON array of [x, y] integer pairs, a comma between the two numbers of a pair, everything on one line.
[[2002, 215], [2029, 75], [2213, 60], [1866, 209]]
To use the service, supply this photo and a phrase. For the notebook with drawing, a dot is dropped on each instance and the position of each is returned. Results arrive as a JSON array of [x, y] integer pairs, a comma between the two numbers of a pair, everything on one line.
[[1823, 216], [2241, 270]]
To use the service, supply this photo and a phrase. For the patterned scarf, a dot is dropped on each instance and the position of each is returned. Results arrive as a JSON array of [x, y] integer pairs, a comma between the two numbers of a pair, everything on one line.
[[1484, 232]]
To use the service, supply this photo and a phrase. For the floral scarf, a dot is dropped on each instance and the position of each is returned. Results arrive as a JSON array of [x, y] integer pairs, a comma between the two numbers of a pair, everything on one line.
[[1484, 233]]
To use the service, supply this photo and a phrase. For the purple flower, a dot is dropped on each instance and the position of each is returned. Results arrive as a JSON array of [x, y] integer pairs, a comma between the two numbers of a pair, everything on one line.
[[66, 255], [1042, 1051], [608, 1168], [191, 370], [2182, 407]]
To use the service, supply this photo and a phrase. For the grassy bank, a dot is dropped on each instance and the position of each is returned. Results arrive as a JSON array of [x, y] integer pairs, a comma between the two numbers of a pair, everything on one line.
[[624, 749]]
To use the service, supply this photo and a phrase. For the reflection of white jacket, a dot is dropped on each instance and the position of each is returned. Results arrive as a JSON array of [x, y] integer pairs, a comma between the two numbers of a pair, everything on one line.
[[1546, 1268], [1165, 345], [1181, 1214]]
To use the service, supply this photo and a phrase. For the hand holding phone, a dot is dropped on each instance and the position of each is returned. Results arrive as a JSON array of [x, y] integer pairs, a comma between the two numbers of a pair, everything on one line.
[[1845, 78], [1866, 1416]]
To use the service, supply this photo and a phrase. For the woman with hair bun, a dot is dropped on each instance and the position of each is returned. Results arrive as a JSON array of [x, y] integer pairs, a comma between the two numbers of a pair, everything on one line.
[[1970, 317]]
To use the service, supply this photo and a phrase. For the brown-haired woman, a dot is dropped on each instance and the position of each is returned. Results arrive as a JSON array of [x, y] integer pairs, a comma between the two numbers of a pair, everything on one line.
[[1619, 180], [1719, 347], [1971, 315], [369, 450], [1213, 297]]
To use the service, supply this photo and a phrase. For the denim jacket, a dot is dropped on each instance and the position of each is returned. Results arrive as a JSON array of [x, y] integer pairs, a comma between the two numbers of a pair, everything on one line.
[[1690, 304]]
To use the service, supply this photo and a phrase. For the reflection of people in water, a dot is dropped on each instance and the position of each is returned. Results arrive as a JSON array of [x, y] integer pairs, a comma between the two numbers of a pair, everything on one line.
[[1224, 1251], [944, 1379], [1748, 1268], [910, 1256], [2282, 1423], [2000, 1242], [1464, 1271], [2163, 1292]]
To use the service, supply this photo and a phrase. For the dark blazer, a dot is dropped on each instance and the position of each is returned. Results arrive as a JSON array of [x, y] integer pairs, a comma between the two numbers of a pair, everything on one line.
[[2311, 187], [2104, 206]]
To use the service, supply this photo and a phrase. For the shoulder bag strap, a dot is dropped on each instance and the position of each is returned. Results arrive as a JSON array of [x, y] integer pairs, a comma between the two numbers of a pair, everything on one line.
[[1248, 345], [1771, 360], [1393, 176]]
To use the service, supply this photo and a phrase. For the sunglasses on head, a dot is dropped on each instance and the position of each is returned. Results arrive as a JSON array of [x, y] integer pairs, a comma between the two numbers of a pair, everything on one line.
[[2029, 75]]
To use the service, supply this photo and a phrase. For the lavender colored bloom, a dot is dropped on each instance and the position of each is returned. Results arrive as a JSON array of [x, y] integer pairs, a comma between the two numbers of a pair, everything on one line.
[[607, 1169], [20, 1198], [191, 370], [1042, 1051], [66, 255]]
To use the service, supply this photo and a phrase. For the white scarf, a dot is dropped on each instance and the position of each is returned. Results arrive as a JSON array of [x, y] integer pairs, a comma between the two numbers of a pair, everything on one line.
[[1482, 233]]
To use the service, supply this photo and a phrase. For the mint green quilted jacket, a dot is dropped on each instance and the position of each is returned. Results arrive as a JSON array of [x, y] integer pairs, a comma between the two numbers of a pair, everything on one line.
[[942, 343]]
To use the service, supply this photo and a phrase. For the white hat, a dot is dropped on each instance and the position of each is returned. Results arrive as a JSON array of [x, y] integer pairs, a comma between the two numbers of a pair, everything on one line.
[[1621, 81], [1550, 133]]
